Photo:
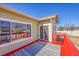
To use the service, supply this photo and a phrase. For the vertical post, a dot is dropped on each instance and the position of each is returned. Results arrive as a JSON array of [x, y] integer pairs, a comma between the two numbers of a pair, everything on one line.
[[52, 28], [53, 25], [10, 31]]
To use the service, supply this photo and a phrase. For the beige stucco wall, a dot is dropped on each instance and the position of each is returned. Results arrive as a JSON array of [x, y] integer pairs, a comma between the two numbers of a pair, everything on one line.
[[44, 22]]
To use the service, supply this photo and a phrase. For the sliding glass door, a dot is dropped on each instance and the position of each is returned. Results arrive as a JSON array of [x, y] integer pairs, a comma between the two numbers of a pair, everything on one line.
[[44, 32]]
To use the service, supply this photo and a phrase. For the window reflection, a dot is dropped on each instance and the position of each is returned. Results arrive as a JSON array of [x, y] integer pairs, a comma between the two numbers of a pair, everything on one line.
[[18, 30], [28, 30], [4, 31], [12, 31]]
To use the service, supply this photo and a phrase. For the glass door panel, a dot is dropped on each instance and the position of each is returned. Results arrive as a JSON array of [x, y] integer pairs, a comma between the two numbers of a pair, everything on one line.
[[41, 32], [44, 32], [45, 28]]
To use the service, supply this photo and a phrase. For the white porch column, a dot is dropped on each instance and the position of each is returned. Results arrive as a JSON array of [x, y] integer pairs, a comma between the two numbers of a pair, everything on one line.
[[50, 32], [53, 29]]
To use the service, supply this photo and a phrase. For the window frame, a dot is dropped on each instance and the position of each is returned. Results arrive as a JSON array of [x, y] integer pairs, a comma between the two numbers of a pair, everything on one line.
[[31, 30], [17, 21], [5, 34]]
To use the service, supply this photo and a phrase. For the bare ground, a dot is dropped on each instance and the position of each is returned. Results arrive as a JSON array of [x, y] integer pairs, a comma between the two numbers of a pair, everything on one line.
[[75, 40]]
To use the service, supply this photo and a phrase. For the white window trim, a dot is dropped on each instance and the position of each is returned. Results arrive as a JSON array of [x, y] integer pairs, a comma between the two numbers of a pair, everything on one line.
[[16, 21]]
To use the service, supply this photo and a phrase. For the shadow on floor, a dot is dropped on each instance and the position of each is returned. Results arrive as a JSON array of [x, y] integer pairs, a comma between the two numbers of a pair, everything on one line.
[[31, 50]]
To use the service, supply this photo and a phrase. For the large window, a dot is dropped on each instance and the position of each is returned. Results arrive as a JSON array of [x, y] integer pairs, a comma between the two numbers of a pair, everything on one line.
[[21, 31], [12, 31]]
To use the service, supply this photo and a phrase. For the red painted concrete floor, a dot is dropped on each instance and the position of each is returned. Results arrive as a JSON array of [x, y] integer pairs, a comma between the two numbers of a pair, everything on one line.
[[67, 47]]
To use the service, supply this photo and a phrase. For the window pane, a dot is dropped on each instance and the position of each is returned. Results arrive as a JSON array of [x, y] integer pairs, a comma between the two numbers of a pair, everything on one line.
[[18, 30], [41, 32], [4, 31], [0, 31], [28, 30], [13, 31]]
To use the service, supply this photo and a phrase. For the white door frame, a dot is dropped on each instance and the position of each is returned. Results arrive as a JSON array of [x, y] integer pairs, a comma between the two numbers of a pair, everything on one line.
[[39, 30], [49, 31]]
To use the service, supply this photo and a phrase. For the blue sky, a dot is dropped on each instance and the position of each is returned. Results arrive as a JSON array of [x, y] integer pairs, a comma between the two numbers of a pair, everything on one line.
[[67, 13]]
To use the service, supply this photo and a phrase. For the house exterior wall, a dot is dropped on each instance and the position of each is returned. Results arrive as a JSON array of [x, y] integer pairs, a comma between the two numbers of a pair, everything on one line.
[[5, 48], [15, 17]]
